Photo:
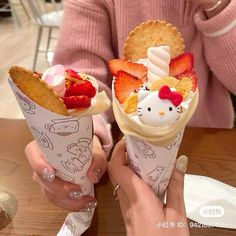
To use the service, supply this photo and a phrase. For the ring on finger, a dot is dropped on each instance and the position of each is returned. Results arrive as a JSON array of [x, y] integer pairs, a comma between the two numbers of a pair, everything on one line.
[[115, 192]]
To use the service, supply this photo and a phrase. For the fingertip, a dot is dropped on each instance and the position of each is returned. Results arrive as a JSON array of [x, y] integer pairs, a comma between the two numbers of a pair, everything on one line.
[[182, 163], [91, 176], [29, 148], [95, 175], [48, 174], [88, 203], [97, 168]]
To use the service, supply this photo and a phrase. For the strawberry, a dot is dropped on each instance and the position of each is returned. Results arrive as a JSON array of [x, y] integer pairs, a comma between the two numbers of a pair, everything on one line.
[[73, 74], [83, 88], [189, 74], [125, 84], [77, 102], [135, 69], [181, 63]]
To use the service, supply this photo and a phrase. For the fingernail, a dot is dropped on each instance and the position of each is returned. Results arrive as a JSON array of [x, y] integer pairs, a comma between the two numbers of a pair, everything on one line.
[[89, 206], [97, 174], [182, 163], [48, 175], [76, 195]]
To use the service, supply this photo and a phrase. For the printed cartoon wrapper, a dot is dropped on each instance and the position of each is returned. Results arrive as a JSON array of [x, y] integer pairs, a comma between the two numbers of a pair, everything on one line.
[[154, 164], [66, 144]]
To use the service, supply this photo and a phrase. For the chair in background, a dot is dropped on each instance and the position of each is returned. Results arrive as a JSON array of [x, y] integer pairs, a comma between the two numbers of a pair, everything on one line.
[[45, 17], [10, 6]]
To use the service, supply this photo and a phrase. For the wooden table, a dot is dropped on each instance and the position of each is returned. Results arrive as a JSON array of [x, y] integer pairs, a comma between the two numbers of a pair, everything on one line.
[[212, 153]]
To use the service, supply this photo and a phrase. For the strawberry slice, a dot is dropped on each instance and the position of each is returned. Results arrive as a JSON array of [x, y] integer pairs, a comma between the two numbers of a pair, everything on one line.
[[77, 102], [189, 74], [83, 88], [125, 84], [73, 74], [181, 63], [135, 69]]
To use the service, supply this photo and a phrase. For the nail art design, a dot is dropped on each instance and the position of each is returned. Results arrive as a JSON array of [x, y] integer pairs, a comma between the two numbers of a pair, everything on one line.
[[48, 175], [97, 174], [76, 195], [89, 206], [182, 163]]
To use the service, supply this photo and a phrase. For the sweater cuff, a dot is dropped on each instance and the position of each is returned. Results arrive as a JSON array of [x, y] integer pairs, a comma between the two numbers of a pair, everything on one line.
[[219, 24], [103, 130]]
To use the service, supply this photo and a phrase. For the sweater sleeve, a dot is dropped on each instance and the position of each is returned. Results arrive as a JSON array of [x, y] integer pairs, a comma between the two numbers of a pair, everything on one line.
[[219, 38], [84, 44]]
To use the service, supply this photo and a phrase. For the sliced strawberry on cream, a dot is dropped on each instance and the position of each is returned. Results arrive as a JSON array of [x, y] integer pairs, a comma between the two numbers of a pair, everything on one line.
[[83, 88], [73, 102], [73, 74], [181, 63], [134, 69], [125, 84]]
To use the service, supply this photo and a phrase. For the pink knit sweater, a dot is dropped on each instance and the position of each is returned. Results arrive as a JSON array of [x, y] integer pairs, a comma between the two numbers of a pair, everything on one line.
[[93, 32]]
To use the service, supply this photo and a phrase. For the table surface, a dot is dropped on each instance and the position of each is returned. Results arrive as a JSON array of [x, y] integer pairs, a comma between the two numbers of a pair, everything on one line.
[[211, 151]]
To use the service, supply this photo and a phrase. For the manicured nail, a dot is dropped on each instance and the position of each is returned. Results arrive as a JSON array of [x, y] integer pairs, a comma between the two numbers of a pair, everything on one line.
[[76, 195], [48, 175], [97, 174], [89, 206], [182, 163]]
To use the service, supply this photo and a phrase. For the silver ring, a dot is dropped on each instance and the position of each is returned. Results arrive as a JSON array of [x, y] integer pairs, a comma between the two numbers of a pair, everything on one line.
[[115, 192]]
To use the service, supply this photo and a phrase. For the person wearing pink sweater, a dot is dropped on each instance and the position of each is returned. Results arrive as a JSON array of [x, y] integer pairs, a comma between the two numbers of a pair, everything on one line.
[[93, 32]]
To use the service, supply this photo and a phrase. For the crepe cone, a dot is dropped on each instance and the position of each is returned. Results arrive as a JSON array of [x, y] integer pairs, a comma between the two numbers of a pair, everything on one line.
[[66, 144], [152, 151], [154, 164]]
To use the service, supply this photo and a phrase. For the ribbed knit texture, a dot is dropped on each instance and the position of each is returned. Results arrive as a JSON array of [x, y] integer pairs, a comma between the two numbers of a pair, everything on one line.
[[94, 31]]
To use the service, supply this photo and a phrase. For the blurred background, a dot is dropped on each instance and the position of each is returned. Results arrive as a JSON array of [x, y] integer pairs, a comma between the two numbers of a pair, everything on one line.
[[28, 33]]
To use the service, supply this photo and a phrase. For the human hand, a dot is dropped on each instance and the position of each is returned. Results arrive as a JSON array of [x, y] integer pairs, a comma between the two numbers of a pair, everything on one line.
[[59, 192], [142, 210]]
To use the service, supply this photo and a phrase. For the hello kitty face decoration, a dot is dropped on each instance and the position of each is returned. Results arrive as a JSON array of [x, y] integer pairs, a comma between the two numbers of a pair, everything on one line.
[[159, 108]]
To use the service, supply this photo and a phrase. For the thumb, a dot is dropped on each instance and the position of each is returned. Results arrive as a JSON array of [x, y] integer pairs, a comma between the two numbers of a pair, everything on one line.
[[99, 162], [175, 191]]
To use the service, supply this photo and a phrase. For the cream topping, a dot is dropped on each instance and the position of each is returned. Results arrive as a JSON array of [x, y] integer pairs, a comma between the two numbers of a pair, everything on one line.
[[54, 77]]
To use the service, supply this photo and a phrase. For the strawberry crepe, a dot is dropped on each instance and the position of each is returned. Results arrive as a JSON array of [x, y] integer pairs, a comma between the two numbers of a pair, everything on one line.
[[155, 95], [58, 106]]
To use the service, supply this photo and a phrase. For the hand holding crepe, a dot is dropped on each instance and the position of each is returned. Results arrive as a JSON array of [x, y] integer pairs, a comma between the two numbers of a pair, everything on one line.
[[143, 212]]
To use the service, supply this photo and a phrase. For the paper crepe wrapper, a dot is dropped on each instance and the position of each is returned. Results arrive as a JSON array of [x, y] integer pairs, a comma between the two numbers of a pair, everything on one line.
[[154, 164], [66, 144]]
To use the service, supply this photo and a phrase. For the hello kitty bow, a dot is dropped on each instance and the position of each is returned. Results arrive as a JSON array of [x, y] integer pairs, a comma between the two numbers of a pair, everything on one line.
[[175, 97]]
